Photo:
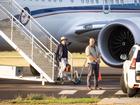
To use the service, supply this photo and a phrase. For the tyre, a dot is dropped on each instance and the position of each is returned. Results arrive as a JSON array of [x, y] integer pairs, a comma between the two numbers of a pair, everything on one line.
[[122, 84], [34, 71], [131, 92]]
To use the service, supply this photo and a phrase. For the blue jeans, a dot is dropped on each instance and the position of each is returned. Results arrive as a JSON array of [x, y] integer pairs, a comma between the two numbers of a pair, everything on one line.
[[93, 67]]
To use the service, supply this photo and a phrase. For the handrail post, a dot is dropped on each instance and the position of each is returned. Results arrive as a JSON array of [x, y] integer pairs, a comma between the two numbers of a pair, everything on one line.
[[12, 24], [32, 48], [53, 67], [30, 25], [51, 44]]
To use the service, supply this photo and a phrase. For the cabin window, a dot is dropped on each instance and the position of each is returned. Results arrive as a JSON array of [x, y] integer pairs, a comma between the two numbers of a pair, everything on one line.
[[97, 1], [106, 1], [72, 1], [111, 1], [87, 1], [136, 1], [91, 1], [122, 1], [117, 1], [82, 1]]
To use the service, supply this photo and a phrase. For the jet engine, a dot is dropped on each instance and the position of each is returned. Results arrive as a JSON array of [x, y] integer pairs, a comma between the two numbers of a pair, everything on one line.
[[116, 39]]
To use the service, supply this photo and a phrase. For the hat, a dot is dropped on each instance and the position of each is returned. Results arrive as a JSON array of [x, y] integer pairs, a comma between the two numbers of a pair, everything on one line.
[[63, 38]]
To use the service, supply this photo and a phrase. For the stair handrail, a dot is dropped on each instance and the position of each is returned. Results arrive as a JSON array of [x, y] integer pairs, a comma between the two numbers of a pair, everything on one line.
[[42, 28], [57, 42], [27, 31], [37, 22]]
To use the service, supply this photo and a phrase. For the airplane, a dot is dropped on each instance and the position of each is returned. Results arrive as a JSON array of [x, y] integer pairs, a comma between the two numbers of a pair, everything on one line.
[[114, 23]]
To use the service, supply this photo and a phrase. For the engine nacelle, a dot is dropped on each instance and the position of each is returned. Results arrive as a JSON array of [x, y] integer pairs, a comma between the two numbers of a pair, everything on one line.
[[116, 39]]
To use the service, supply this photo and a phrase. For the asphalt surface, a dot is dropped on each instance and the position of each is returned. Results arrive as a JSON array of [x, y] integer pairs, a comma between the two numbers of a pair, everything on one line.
[[10, 89], [110, 83]]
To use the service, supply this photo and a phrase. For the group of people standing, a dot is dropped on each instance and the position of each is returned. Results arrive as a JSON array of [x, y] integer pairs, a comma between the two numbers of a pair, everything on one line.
[[93, 60]]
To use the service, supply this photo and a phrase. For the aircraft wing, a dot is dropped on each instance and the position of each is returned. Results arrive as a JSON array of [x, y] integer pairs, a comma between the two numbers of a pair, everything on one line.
[[83, 28]]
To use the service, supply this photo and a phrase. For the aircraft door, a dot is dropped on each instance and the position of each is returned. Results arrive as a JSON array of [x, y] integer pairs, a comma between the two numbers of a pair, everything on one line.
[[106, 6]]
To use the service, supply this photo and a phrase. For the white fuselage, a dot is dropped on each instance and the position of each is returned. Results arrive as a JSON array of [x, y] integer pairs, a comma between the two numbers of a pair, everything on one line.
[[63, 17]]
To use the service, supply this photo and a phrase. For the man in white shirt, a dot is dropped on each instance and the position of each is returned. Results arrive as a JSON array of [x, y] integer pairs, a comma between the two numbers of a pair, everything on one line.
[[93, 60]]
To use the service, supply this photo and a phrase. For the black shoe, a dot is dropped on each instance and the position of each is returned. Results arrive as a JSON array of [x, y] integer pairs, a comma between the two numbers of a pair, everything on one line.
[[58, 79]]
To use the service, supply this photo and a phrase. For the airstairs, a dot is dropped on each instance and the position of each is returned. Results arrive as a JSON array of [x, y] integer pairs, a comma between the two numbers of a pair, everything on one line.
[[29, 38]]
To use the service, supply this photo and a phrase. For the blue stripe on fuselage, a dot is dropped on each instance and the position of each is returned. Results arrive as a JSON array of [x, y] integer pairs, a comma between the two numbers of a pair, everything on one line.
[[94, 7]]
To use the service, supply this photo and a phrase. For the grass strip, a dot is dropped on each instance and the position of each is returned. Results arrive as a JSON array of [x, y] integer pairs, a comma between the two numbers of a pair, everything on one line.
[[42, 99]]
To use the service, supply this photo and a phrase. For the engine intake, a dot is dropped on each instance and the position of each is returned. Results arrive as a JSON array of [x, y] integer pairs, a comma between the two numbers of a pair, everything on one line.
[[116, 39]]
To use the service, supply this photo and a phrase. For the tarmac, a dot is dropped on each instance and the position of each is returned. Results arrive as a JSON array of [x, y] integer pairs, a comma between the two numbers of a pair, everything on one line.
[[14, 88], [110, 94], [120, 101]]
